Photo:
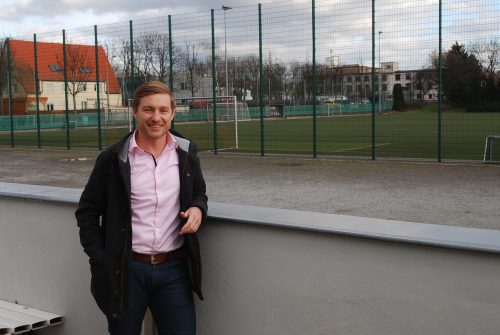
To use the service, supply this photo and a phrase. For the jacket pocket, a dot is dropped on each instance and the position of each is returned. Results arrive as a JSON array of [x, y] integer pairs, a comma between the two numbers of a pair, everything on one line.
[[99, 284]]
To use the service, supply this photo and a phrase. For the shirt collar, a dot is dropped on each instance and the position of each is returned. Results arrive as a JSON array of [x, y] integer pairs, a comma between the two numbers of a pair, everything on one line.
[[171, 143]]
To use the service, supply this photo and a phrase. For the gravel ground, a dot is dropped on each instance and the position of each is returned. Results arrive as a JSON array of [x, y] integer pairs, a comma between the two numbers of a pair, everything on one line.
[[452, 194]]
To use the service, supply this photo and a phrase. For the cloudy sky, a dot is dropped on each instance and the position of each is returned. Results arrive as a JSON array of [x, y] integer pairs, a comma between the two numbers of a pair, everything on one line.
[[25, 17]]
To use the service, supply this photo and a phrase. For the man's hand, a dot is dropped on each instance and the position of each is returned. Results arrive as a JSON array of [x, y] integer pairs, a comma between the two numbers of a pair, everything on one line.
[[193, 216]]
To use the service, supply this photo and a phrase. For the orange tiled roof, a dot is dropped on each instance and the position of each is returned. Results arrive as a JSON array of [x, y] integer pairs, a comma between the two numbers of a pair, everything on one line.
[[48, 54]]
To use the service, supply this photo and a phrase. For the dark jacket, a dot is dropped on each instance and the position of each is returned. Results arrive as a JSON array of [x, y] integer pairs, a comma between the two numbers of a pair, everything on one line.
[[104, 218]]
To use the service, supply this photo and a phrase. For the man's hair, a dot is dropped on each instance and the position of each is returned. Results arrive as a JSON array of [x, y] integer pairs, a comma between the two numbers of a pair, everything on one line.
[[150, 88]]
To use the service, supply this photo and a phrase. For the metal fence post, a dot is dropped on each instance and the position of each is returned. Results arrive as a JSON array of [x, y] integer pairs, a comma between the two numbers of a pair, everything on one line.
[[39, 139], [170, 55], [98, 89], [373, 81], [214, 83], [9, 78], [171, 62], [66, 109], [440, 85], [314, 75], [132, 65], [261, 84]]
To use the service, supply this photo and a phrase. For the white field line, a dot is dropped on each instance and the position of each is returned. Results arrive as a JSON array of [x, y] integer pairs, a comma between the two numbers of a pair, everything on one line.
[[366, 146]]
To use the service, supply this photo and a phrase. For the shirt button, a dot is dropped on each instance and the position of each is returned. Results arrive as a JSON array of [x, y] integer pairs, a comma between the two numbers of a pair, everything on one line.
[[117, 272]]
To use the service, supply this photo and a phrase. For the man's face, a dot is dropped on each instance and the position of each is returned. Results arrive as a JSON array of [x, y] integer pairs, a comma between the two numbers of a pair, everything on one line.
[[154, 116]]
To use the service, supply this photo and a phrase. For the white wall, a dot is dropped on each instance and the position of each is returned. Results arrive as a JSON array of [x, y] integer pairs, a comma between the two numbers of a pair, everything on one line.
[[271, 271], [54, 91]]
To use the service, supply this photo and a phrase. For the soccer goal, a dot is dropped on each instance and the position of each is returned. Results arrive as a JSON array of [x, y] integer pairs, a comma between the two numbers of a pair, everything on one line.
[[228, 113], [492, 149]]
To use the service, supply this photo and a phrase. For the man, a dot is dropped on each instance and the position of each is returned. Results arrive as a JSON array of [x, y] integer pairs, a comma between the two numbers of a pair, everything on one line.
[[138, 217]]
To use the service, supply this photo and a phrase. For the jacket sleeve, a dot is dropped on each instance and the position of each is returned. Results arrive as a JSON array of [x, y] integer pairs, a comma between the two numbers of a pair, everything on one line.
[[199, 186], [90, 210]]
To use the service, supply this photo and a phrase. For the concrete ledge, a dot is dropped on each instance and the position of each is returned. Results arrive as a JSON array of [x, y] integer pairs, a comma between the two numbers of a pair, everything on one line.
[[460, 238]]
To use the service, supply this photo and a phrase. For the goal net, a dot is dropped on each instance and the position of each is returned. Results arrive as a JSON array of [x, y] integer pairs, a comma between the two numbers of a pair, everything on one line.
[[492, 149], [198, 113]]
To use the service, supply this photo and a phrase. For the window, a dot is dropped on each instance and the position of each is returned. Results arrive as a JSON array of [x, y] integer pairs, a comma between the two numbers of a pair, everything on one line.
[[50, 107], [430, 96], [384, 77], [367, 78], [408, 77], [398, 77], [84, 87], [384, 87], [95, 87], [55, 68], [84, 69], [349, 79]]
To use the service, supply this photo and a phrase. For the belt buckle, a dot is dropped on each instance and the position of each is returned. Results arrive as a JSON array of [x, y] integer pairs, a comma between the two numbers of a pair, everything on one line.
[[153, 260]]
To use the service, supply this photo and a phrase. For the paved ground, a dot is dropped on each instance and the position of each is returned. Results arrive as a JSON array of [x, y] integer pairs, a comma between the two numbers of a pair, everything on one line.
[[452, 194]]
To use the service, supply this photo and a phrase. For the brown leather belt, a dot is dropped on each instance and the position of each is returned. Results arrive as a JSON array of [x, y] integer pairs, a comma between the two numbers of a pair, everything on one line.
[[160, 258]]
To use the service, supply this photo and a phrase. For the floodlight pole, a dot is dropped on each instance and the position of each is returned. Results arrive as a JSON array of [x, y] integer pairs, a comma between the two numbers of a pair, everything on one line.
[[379, 75], [226, 8]]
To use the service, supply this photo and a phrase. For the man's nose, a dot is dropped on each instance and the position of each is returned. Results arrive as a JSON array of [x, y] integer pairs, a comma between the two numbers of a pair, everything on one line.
[[156, 116]]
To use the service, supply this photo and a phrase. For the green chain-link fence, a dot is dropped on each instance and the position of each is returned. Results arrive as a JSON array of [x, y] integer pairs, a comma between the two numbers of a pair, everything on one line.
[[349, 78]]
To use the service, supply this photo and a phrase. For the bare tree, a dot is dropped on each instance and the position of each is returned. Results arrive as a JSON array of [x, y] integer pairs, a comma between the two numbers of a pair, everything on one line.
[[192, 67], [425, 79], [250, 65], [78, 69], [274, 72], [237, 77], [152, 56], [4, 60], [4, 70], [488, 54], [423, 82], [143, 57], [124, 70]]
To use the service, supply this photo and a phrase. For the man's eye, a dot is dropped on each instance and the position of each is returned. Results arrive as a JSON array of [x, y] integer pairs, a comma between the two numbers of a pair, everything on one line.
[[165, 111]]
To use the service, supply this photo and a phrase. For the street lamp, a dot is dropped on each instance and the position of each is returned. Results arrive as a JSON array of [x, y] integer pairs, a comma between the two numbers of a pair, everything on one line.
[[379, 75], [226, 8]]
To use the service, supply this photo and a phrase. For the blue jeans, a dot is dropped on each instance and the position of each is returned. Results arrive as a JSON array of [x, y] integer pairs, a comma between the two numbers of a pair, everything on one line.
[[166, 290]]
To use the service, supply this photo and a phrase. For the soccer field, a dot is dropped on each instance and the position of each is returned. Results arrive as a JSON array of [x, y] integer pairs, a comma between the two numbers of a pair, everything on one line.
[[412, 134]]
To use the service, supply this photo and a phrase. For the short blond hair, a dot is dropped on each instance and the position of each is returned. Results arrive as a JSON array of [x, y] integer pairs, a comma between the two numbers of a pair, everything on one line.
[[150, 88]]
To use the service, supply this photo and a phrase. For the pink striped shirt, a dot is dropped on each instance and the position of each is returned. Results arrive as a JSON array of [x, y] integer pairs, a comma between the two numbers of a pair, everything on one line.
[[155, 198]]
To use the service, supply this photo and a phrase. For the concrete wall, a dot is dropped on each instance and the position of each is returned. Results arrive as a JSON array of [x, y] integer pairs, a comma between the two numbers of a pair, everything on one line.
[[271, 271]]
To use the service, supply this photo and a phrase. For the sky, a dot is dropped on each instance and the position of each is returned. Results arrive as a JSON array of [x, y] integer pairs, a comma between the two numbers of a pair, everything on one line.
[[25, 17]]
